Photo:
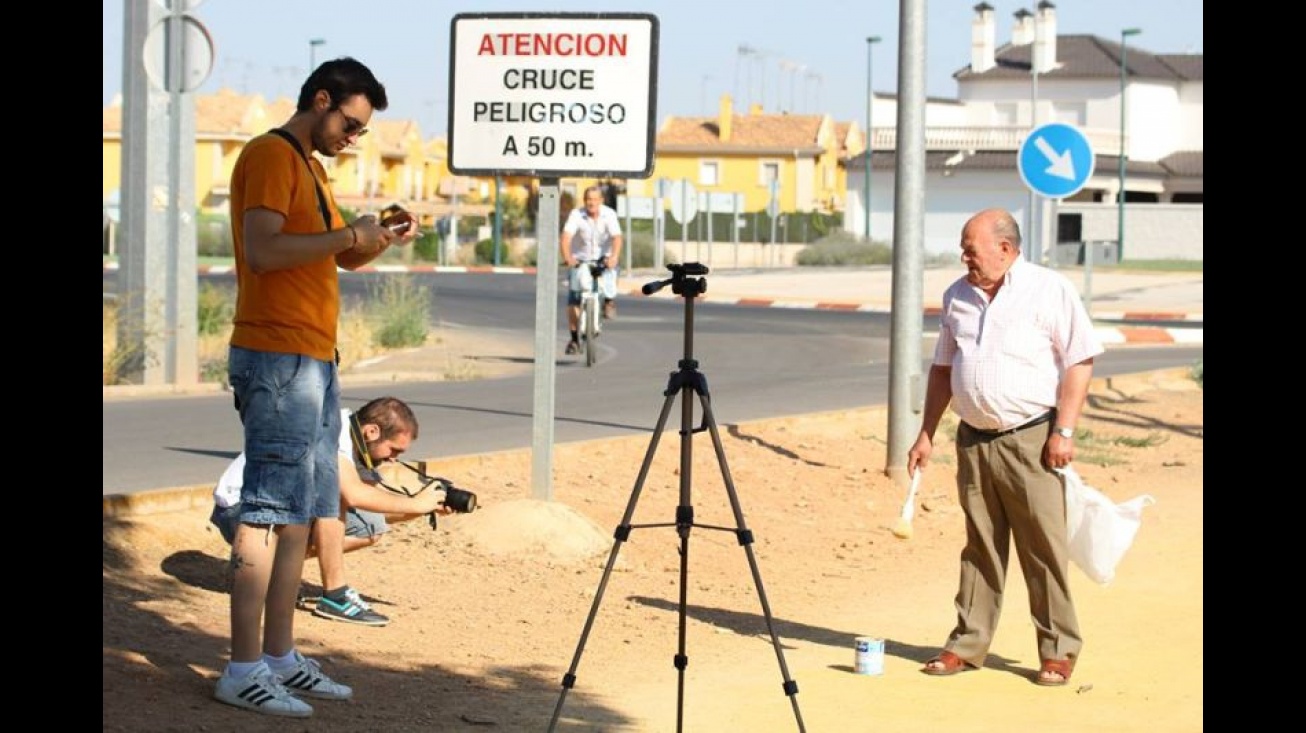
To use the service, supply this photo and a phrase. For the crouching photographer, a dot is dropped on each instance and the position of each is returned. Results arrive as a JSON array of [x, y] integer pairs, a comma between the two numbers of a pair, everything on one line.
[[379, 432]]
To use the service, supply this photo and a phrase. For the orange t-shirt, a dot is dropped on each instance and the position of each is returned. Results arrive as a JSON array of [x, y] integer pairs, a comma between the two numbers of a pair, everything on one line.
[[292, 311]]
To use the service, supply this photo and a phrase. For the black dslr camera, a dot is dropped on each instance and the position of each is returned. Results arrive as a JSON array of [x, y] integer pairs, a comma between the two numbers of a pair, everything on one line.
[[459, 500]]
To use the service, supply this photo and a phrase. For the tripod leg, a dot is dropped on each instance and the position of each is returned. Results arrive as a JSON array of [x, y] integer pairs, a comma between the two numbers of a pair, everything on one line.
[[620, 535], [746, 539]]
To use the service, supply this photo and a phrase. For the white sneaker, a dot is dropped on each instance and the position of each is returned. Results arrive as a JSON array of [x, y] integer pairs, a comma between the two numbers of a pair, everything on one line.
[[306, 678], [259, 691]]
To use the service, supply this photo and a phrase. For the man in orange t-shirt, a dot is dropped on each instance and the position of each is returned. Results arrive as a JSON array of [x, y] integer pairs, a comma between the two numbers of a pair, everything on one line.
[[289, 239]]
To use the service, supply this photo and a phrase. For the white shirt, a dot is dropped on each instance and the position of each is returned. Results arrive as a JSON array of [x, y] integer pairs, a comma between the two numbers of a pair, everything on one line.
[[227, 492], [1008, 355], [591, 239]]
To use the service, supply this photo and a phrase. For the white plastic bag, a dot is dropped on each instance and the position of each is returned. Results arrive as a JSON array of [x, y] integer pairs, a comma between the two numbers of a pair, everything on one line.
[[1100, 531]]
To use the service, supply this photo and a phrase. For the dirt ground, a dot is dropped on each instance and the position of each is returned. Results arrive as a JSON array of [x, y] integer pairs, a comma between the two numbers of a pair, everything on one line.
[[489, 611]]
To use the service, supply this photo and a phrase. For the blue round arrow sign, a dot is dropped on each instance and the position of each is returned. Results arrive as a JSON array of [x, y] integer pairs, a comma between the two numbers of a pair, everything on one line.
[[1056, 160]]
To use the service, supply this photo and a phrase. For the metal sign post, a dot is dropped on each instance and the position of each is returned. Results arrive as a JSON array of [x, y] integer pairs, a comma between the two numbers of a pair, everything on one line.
[[551, 95], [167, 55], [1056, 160]]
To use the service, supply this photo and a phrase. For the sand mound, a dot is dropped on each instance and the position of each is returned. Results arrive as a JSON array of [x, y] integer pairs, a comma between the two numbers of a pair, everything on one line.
[[533, 527]]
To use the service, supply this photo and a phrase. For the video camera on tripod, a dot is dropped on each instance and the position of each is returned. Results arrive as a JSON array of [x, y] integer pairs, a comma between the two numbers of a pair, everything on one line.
[[682, 280]]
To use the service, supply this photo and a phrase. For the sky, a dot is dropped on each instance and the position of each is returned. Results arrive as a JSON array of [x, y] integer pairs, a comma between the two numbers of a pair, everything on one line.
[[800, 56]]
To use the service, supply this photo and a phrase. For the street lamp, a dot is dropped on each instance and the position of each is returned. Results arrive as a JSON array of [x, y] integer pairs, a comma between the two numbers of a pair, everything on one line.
[[870, 96], [1120, 192], [313, 43]]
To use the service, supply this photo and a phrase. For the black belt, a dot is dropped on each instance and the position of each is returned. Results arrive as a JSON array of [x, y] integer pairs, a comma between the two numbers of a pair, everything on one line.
[[1045, 417]]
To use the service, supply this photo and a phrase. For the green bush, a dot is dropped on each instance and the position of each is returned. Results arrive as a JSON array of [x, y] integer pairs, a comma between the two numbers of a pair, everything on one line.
[[215, 306], [843, 248], [642, 251], [213, 235], [427, 247], [484, 252], [1196, 373], [401, 309]]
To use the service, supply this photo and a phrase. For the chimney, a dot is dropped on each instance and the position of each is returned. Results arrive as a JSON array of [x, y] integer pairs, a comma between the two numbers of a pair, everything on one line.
[[725, 116], [982, 39], [1022, 33], [1045, 38]]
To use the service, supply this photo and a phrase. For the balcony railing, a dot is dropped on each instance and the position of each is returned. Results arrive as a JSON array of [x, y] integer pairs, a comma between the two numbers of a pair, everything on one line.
[[1103, 140]]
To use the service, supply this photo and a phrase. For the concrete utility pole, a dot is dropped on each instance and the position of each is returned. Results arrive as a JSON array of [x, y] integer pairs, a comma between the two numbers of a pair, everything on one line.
[[906, 388], [547, 228], [157, 274]]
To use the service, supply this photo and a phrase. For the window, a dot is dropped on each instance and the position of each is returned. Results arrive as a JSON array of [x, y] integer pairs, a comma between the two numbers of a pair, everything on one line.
[[1070, 113], [1070, 228], [1004, 114], [709, 173], [768, 172]]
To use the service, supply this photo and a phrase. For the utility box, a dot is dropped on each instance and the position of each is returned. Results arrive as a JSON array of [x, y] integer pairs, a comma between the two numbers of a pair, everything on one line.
[[1105, 251], [1070, 254]]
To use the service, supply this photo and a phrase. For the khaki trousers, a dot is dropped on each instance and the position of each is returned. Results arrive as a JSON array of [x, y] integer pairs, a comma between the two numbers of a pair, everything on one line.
[[1007, 492]]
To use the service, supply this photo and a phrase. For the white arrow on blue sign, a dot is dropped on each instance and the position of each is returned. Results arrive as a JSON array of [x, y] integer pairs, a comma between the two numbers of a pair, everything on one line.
[[1056, 160]]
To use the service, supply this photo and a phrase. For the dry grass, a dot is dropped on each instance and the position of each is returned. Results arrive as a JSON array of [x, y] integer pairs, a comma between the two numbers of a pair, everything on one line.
[[357, 339], [117, 357]]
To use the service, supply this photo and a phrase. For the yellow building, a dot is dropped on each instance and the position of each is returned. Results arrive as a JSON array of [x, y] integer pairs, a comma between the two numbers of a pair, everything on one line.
[[733, 153], [223, 123], [391, 164], [729, 153]]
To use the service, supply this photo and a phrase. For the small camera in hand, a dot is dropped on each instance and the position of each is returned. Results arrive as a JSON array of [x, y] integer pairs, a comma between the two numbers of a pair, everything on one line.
[[399, 224], [396, 219]]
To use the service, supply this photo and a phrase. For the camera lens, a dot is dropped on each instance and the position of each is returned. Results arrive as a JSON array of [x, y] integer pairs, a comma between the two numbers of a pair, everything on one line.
[[459, 500]]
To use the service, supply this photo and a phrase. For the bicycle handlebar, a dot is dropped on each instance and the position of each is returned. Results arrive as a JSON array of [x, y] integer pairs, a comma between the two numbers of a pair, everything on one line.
[[596, 268]]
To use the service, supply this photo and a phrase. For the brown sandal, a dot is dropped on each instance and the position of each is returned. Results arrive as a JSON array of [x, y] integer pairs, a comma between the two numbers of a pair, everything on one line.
[[949, 663], [1059, 667]]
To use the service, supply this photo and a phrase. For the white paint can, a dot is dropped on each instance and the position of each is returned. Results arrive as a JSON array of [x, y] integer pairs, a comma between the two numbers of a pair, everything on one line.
[[870, 656]]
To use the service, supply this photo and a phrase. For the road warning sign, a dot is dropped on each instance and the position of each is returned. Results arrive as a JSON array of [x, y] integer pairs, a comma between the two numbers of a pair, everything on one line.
[[569, 94]]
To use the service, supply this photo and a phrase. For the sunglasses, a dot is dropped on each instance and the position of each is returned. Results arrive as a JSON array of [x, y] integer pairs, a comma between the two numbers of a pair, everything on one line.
[[352, 127]]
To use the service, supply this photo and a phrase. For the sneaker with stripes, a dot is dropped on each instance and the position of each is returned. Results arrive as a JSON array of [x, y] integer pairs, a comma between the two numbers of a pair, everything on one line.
[[261, 692], [353, 609], [305, 677]]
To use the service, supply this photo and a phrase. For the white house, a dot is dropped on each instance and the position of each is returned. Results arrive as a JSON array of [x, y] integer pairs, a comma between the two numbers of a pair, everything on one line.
[[1036, 78]]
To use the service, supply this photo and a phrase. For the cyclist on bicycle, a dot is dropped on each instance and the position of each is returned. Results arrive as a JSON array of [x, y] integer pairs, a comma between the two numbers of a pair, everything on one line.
[[592, 234]]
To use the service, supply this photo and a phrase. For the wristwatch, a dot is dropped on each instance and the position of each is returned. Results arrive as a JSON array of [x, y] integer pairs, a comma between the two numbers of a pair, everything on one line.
[[1065, 432]]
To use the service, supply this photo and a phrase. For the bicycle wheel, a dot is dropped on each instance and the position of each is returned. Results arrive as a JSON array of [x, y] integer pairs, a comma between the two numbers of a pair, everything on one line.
[[590, 317]]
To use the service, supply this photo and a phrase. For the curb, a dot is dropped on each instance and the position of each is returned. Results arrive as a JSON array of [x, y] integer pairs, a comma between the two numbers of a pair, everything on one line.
[[479, 269], [1110, 335], [158, 501]]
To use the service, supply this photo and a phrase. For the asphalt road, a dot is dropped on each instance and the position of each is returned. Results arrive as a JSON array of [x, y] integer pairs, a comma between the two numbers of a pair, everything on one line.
[[756, 362]]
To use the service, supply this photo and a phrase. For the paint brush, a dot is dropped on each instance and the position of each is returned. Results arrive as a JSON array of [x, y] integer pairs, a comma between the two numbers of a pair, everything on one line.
[[903, 528]]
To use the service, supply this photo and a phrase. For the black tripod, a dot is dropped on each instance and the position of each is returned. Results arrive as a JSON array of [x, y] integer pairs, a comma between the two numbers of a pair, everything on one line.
[[687, 379]]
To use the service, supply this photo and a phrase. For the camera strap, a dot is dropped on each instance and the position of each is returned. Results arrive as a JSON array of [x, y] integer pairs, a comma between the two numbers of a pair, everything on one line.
[[360, 444], [321, 202], [317, 185]]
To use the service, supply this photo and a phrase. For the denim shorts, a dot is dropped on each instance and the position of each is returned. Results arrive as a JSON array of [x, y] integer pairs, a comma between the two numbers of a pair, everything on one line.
[[358, 522], [579, 279], [290, 409]]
